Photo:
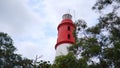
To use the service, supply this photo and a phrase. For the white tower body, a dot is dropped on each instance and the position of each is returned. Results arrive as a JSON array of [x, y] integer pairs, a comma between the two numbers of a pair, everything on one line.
[[62, 49]]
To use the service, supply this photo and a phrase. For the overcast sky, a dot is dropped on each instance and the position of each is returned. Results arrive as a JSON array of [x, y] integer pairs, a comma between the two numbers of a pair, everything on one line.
[[32, 24]]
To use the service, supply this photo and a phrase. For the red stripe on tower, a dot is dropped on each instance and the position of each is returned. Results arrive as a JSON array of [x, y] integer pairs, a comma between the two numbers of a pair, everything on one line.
[[65, 34]]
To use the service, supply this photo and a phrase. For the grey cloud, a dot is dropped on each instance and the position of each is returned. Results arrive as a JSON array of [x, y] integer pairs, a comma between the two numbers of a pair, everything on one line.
[[15, 15]]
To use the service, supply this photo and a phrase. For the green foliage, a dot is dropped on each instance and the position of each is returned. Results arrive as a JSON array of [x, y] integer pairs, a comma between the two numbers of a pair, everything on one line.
[[95, 30], [80, 26], [69, 61], [8, 58], [62, 62], [44, 64], [101, 4]]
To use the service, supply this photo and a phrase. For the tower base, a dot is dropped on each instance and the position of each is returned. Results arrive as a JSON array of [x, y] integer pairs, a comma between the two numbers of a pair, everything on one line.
[[62, 49]]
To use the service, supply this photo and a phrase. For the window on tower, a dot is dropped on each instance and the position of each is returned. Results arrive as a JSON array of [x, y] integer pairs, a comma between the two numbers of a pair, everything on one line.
[[68, 28], [68, 36]]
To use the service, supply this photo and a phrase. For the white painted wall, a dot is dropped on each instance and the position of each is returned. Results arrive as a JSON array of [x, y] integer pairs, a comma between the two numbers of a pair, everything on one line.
[[62, 49]]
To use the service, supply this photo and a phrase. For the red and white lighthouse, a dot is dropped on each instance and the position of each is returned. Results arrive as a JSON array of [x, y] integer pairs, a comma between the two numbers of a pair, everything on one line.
[[65, 35]]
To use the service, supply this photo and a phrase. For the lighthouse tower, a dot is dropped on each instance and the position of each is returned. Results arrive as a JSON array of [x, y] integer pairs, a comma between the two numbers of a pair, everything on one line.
[[65, 35]]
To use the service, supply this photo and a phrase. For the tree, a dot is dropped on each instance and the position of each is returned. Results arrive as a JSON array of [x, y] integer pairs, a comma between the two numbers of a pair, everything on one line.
[[68, 61], [8, 59], [108, 45], [102, 4], [44, 64], [110, 23]]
